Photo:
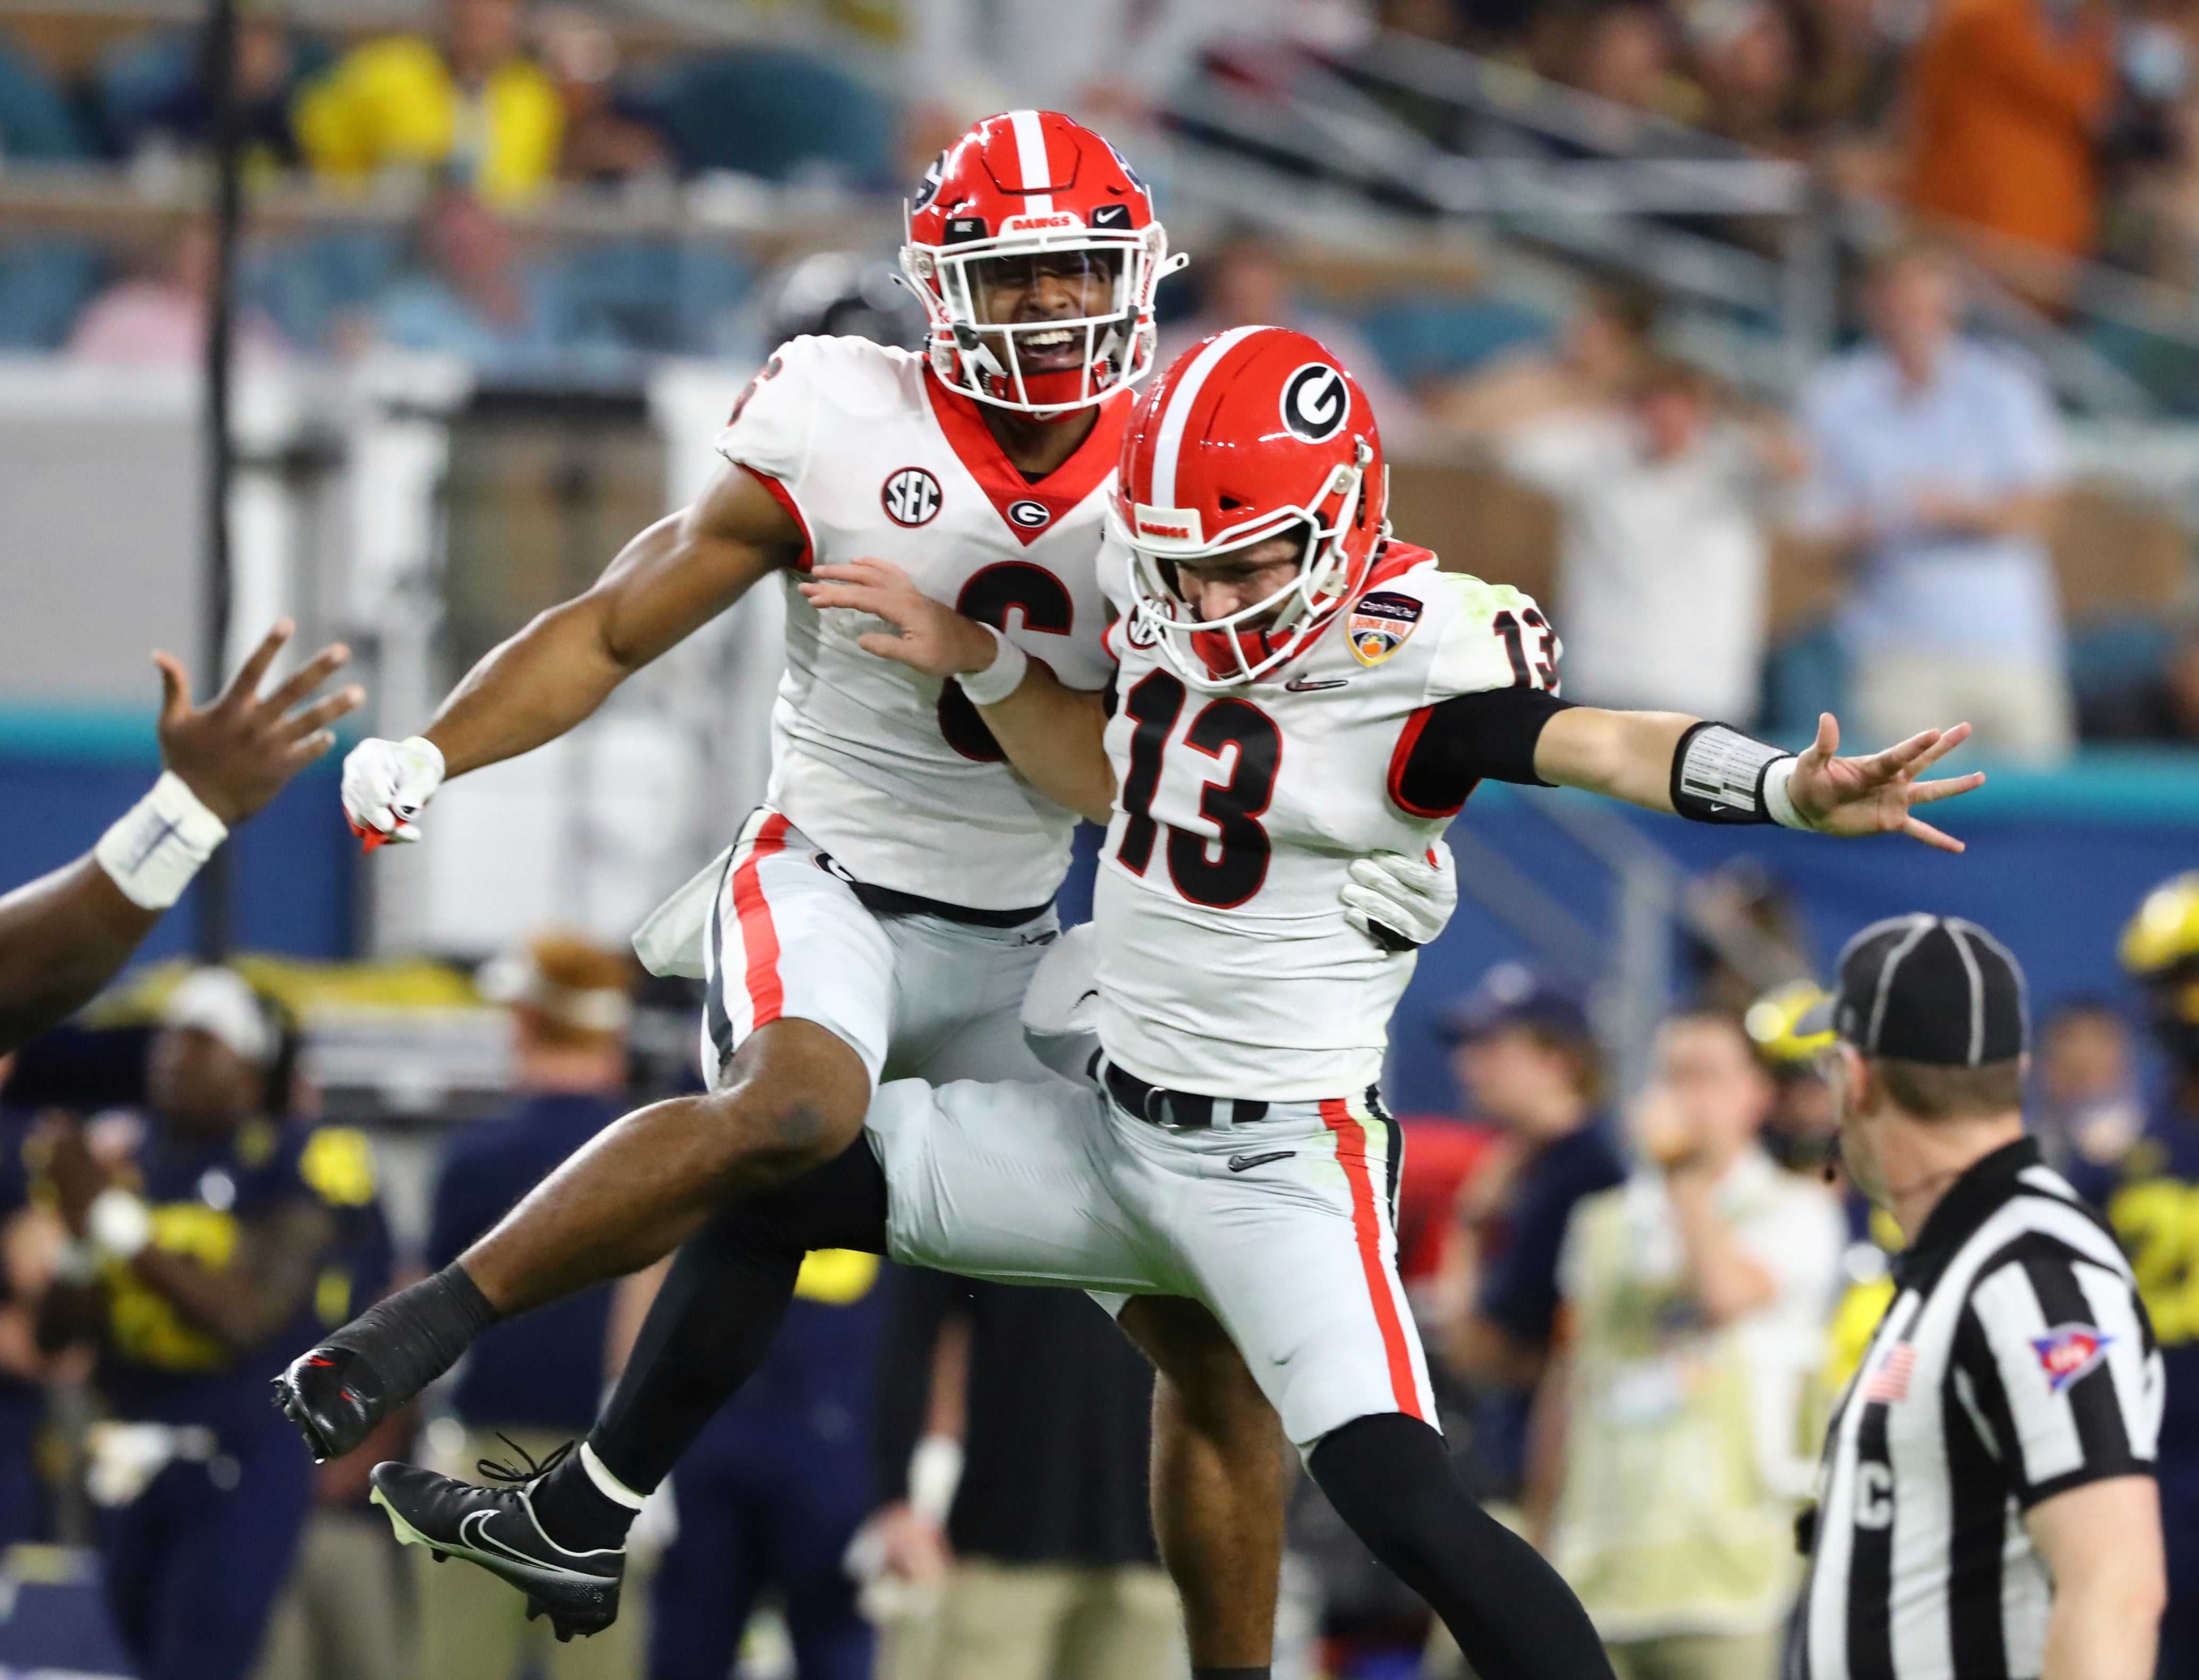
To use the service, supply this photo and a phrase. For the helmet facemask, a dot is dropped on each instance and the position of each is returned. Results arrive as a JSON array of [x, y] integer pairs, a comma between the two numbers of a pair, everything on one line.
[[1246, 645], [992, 360]]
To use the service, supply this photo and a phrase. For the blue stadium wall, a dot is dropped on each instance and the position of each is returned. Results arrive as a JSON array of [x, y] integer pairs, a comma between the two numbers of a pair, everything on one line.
[[65, 775]]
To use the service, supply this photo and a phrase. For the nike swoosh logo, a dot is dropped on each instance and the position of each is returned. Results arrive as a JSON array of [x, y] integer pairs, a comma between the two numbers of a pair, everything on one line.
[[1079, 1003], [473, 1531], [1246, 1162], [1313, 684]]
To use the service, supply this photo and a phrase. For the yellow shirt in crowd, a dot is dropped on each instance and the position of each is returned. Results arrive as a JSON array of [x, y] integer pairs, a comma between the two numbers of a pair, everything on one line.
[[394, 102]]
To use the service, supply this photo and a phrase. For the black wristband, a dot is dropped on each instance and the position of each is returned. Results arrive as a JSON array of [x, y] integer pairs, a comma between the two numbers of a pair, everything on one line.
[[1717, 775]]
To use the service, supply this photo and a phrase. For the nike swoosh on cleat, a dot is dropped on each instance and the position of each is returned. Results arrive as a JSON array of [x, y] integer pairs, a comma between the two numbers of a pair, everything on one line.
[[1246, 1162], [473, 1533]]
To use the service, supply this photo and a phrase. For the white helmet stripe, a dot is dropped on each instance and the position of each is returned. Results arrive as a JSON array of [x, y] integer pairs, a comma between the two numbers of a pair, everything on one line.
[[1177, 415], [1031, 152]]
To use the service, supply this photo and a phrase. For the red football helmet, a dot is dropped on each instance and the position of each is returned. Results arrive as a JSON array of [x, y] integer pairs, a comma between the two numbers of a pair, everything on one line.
[[1255, 433], [1023, 195]]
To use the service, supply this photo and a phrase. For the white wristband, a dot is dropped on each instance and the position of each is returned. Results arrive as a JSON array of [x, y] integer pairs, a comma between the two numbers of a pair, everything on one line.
[[934, 1472], [77, 1264], [153, 851], [1779, 798], [119, 1223], [999, 680]]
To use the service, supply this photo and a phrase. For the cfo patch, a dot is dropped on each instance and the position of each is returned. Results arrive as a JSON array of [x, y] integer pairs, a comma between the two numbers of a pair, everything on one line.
[[2069, 1351], [1378, 625]]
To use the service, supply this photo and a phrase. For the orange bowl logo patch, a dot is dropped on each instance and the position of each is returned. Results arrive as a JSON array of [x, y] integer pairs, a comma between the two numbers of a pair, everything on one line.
[[1379, 624]]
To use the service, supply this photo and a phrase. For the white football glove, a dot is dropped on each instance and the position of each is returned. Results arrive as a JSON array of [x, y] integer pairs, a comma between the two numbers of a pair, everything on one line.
[[385, 785], [1400, 902]]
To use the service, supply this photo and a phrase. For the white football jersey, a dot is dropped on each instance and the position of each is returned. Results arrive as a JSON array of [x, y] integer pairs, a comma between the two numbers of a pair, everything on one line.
[[891, 772], [1226, 965]]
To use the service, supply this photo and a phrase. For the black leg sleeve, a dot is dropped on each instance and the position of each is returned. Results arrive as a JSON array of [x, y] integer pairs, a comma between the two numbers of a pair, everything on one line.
[[720, 1306], [1390, 1479]]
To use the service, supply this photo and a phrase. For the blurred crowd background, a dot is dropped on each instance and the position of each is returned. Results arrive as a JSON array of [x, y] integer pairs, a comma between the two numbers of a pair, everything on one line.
[[1800, 355]]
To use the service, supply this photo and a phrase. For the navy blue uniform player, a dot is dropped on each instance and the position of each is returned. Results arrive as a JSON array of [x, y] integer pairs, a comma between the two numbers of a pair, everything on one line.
[[199, 1248]]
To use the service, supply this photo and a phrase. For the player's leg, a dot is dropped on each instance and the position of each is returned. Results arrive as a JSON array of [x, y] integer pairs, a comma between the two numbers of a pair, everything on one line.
[[799, 997], [1218, 1485], [1296, 1255], [560, 1534]]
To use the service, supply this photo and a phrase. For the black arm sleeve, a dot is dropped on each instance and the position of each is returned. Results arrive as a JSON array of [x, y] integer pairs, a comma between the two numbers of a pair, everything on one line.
[[922, 1301], [1448, 746]]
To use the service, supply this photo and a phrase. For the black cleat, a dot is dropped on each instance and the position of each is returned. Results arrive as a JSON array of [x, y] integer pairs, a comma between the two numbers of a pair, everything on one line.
[[496, 1528], [335, 1399]]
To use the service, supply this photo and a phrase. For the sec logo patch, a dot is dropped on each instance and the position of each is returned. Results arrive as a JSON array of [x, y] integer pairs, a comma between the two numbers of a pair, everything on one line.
[[2069, 1351], [1379, 624], [911, 497], [1030, 515]]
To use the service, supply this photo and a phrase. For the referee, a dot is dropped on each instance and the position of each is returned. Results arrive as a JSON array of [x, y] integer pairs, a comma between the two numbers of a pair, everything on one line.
[[1987, 1508]]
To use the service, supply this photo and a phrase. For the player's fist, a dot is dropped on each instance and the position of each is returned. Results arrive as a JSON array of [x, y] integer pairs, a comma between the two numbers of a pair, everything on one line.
[[386, 783], [1398, 902]]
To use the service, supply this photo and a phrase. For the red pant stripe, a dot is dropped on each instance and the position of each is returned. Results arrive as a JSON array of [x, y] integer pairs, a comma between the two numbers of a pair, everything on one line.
[[759, 938], [1366, 1226]]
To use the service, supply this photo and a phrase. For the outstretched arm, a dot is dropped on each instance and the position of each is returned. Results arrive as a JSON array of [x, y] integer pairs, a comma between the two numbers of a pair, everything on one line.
[[64, 935], [1054, 734], [1630, 755], [662, 587]]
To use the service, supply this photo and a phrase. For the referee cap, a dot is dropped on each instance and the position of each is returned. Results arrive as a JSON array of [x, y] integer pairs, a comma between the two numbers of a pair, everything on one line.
[[1927, 988]]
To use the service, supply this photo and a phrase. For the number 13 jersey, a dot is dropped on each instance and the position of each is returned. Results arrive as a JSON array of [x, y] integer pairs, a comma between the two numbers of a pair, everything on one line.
[[891, 772], [1226, 965]]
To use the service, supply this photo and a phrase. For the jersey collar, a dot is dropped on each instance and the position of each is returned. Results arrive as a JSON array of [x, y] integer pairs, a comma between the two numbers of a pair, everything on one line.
[[1058, 494], [1970, 1201]]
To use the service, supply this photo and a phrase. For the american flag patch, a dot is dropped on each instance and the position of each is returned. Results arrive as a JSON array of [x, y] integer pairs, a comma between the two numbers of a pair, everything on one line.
[[1890, 1381]]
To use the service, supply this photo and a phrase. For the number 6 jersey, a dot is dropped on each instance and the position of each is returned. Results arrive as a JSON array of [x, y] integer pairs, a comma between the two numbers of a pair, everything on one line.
[[892, 772], [1226, 965]]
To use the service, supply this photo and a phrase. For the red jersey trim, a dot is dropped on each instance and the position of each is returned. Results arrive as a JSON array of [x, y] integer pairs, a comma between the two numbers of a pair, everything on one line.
[[1401, 758], [1060, 492], [785, 498], [1395, 559]]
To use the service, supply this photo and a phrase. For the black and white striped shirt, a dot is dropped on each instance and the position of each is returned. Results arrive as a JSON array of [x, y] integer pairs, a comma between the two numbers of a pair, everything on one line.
[[2014, 1363]]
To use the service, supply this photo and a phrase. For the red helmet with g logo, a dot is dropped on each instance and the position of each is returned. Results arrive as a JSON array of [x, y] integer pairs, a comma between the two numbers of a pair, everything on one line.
[[1022, 196], [1252, 433]]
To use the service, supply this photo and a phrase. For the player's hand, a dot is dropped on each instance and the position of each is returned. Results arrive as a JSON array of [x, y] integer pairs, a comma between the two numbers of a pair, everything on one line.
[[237, 753], [1873, 795], [387, 784], [911, 1546], [1399, 901], [929, 635]]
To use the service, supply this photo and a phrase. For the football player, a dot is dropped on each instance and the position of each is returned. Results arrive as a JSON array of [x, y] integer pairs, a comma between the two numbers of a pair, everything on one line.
[[885, 908], [1294, 692]]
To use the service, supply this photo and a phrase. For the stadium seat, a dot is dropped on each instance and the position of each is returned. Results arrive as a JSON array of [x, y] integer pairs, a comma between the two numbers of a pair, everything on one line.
[[44, 283], [1428, 338], [768, 111], [35, 122]]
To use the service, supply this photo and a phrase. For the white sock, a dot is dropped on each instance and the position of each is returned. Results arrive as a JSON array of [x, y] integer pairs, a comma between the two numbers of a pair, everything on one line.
[[607, 1484]]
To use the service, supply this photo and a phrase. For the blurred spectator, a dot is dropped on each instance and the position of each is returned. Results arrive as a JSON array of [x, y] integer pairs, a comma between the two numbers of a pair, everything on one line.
[[266, 69], [2088, 1107], [471, 107], [1695, 1304], [1745, 933], [1743, 55], [31, 1237], [2151, 1198], [1597, 357], [1801, 1131], [1046, 1555], [1529, 1066], [160, 319], [1244, 282], [200, 1239], [531, 1383], [2164, 707], [467, 294], [606, 138], [2006, 99], [343, 1614], [774, 1488], [1626, 51], [1663, 553], [1938, 467]]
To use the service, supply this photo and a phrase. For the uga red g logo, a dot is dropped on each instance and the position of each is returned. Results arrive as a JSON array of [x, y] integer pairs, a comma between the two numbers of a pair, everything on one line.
[[911, 497]]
